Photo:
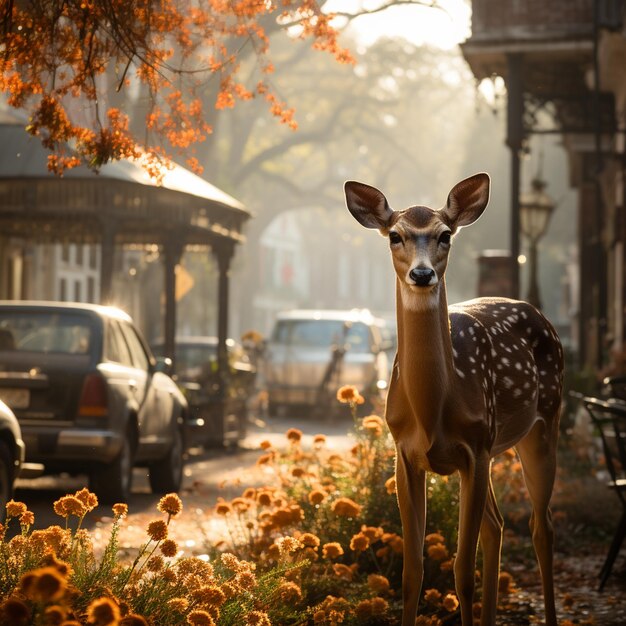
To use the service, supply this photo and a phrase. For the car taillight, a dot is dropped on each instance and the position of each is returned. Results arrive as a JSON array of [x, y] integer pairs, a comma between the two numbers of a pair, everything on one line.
[[93, 399]]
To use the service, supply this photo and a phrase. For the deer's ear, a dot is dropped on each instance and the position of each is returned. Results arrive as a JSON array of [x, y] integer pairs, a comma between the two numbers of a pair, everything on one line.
[[467, 200], [368, 205]]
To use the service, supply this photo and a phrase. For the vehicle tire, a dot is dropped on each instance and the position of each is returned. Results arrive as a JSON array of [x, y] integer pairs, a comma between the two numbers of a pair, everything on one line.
[[6, 478], [113, 483], [166, 475]]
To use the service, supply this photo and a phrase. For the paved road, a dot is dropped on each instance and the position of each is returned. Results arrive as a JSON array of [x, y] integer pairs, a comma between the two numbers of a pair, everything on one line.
[[205, 472]]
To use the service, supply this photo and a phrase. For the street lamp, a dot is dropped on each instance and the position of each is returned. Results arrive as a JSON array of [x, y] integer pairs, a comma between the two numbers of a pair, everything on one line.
[[536, 207]]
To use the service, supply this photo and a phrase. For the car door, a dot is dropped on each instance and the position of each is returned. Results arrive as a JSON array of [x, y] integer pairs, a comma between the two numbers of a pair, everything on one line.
[[155, 403]]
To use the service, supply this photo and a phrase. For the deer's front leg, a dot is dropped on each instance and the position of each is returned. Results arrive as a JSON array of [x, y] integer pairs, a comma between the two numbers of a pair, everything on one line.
[[411, 490], [474, 488]]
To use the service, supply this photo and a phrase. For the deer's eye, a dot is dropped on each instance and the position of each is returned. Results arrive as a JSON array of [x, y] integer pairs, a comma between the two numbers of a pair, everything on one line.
[[394, 237], [444, 238]]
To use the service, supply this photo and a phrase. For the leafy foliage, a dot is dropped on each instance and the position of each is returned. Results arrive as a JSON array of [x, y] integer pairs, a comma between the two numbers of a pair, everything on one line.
[[61, 57]]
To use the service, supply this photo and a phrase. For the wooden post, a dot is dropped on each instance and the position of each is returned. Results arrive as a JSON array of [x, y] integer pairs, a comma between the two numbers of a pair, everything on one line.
[[172, 252], [514, 139], [107, 259]]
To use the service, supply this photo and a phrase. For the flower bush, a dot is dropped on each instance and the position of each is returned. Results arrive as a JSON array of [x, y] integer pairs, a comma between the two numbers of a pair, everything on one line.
[[318, 543]]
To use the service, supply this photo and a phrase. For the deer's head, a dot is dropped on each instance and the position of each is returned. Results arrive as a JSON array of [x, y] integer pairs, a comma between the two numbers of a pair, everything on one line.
[[419, 237]]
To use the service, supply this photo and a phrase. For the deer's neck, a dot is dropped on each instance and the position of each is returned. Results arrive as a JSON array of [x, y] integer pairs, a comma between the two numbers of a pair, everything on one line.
[[426, 366]]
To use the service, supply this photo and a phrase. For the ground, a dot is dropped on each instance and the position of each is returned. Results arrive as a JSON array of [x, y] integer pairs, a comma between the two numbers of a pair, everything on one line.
[[585, 512]]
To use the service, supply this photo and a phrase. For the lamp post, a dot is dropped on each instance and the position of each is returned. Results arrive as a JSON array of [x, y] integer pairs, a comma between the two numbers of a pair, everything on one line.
[[536, 207]]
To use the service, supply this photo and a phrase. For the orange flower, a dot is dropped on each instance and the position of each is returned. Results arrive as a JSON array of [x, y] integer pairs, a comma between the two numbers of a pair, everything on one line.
[[342, 571], [309, 540], [450, 602], [319, 440], [89, 500], [265, 444], [170, 504], [437, 552], [27, 518], [169, 548], [289, 593], [157, 530], [359, 543], [432, 596], [377, 583], [345, 507], [373, 533], [332, 550], [294, 435], [120, 509], [349, 394], [200, 618], [103, 612], [390, 485], [223, 508], [317, 496], [505, 583], [433, 538], [297, 472]]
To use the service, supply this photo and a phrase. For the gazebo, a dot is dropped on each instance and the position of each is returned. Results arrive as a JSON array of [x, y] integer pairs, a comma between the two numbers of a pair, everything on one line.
[[118, 206]]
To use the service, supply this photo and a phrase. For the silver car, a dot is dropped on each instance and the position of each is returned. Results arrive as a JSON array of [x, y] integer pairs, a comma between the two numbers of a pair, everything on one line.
[[311, 353]]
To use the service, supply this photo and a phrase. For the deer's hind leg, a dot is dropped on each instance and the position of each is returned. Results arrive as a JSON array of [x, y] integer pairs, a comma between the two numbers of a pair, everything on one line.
[[491, 544], [537, 452]]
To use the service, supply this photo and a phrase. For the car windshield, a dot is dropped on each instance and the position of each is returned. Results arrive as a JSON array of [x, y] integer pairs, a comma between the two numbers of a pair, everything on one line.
[[34, 331], [322, 334], [192, 357]]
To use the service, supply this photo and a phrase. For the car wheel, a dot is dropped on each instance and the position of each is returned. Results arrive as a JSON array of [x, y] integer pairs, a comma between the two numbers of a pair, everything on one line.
[[6, 478], [112, 483], [166, 475]]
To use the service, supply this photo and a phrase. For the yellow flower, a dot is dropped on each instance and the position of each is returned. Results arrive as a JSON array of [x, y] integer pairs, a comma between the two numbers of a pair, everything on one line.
[[120, 509], [157, 530], [297, 472], [345, 507], [319, 440], [343, 571], [45, 584], [209, 595], [249, 493], [103, 612], [170, 504], [332, 550], [363, 610], [379, 606], [169, 548], [294, 435], [15, 509]]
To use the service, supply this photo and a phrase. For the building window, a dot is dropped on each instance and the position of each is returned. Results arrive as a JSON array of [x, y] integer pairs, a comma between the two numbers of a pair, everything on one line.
[[65, 252], [62, 290], [93, 256], [91, 289], [79, 254], [78, 291]]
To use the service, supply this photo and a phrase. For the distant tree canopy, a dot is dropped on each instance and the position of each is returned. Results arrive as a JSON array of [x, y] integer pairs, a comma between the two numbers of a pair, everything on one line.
[[64, 60]]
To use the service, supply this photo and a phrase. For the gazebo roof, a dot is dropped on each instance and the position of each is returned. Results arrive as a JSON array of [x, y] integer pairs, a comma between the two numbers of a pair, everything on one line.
[[74, 206]]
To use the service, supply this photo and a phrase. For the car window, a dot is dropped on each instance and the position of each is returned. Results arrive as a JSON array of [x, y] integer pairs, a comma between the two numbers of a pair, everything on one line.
[[138, 354], [115, 348], [323, 334], [64, 333]]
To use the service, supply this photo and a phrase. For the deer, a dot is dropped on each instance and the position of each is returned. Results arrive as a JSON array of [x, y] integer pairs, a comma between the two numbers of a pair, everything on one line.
[[469, 381]]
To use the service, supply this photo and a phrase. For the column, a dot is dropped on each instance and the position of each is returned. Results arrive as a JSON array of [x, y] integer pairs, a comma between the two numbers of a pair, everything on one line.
[[107, 258]]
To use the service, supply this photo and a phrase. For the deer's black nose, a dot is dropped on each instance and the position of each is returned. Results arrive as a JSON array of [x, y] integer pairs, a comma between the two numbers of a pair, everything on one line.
[[422, 276]]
